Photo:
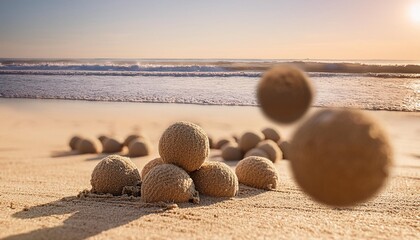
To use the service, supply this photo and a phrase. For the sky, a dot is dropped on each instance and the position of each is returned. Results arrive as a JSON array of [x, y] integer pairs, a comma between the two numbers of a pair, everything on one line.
[[259, 29]]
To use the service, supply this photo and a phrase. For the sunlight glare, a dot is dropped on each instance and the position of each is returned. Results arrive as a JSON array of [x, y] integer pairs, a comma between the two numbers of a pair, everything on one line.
[[415, 12]]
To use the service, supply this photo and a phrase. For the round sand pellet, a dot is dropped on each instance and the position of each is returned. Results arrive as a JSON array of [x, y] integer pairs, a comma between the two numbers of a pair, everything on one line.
[[257, 172], [168, 183], [284, 94], [130, 138], [139, 148], [88, 146], [74, 141], [340, 157], [231, 152], [219, 144], [257, 152], [111, 145], [153, 163], [102, 138], [113, 173], [271, 133], [215, 179], [272, 149], [184, 144], [250, 140]]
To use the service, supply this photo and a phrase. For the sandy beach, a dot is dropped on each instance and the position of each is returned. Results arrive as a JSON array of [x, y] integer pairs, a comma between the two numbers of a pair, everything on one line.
[[40, 180]]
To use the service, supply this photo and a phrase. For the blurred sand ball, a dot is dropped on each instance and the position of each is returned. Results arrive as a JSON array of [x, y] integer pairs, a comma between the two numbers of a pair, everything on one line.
[[215, 179], [130, 138], [257, 152], [139, 148], [231, 152], [102, 138], [74, 141], [272, 134], [340, 157], [113, 173], [219, 144], [111, 145], [284, 147], [249, 140], [185, 145], [88, 146], [272, 149], [284, 94], [153, 163], [257, 172], [168, 183]]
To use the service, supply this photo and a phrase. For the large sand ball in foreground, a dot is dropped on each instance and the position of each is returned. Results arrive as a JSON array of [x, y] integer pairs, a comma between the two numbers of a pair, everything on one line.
[[231, 152], [113, 173], [257, 172], [88, 146], [215, 179], [111, 145], [219, 144], [139, 148], [250, 140], [153, 163], [340, 157], [284, 94], [257, 152], [168, 183], [184, 144], [272, 149], [74, 141], [271, 133], [130, 138]]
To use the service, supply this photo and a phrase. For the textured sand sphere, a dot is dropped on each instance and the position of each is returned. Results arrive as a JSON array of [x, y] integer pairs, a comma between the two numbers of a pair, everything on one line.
[[139, 148], [74, 141], [284, 146], [223, 142], [256, 152], [231, 152], [340, 157], [250, 140], [168, 183], [284, 94], [146, 169], [113, 173], [184, 144], [215, 179], [272, 149], [272, 134], [130, 138], [257, 172], [111, 145], [88, 146]]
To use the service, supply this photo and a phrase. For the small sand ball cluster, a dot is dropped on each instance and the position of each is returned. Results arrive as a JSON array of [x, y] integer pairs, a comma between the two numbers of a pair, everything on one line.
[[340, 157], [284, 94], [112, 174], [216, 179], [257, 172]]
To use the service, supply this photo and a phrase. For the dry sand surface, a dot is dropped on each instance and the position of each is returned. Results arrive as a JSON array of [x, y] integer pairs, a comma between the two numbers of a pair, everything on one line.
[[40, 180]]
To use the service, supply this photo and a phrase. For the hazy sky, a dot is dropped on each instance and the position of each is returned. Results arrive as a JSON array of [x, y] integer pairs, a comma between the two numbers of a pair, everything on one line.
[[323, 29]]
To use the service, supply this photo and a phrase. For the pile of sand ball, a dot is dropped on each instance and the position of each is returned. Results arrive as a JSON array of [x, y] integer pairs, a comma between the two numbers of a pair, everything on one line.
[[340, 157], [257, 172]]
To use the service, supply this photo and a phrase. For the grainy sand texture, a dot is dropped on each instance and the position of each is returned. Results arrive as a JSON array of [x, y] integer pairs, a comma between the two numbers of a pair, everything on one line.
[[40, 179]]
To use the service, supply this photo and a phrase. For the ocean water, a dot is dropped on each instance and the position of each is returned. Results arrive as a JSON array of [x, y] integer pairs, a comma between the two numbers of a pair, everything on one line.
[[375, 85]]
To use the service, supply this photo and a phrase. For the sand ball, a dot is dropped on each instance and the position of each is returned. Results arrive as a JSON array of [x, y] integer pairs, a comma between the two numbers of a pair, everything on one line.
[[111, 145], [231, 152], [340, 157], [223, 142], [168, 183], [284, 146], [257, 152], [272, 134], [249, 140], [215, 179], [184, 144], [153, 163], [284, 94], [102, 138], [88, 146], [113, 173], [272, 149], [74, 141], [139, 148], [257, 172], [130, 138]]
